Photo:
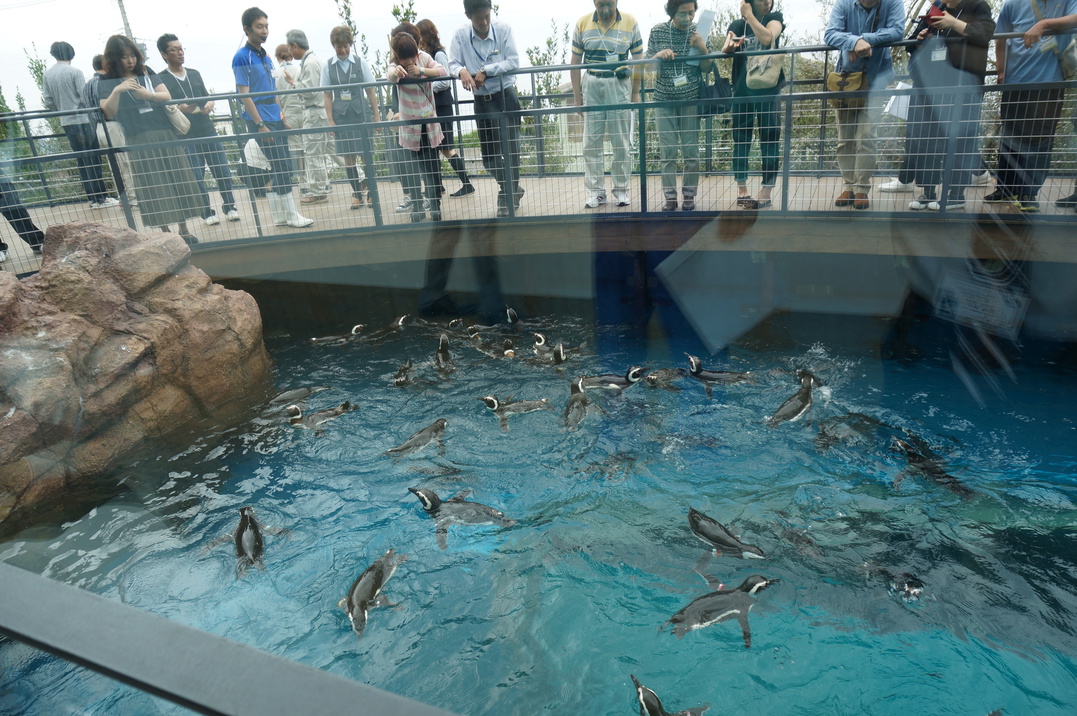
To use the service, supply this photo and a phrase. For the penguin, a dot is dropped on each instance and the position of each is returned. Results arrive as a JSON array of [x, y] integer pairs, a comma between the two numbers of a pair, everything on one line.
[[503, 409], [576, 409], [296, 394], [433, 433], [442, 358], [849, 429], [314, 421], [365, 591], [932, 468], [721, 540], [664, 377], [398, 324], [710, 378], [720, 606], [339, 339], [402, 379], [457, 511], [651, 705], [609, 381], [559, 354], [250, 545], [905, 585], [504, 349], [541, 348], [798, 404]]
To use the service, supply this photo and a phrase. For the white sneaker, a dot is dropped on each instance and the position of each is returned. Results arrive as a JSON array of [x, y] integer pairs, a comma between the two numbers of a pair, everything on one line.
[[212, 220], [105, 203], [3, 256], [620, 198], [981, 179], [897, 186], [595, 201], [232, 215]]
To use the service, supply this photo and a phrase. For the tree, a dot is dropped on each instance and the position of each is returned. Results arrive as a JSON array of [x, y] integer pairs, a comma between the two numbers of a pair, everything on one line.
[[405, 13], [554, 53]]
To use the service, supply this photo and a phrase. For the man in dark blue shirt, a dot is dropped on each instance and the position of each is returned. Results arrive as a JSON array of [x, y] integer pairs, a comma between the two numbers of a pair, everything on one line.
[[253, 70]]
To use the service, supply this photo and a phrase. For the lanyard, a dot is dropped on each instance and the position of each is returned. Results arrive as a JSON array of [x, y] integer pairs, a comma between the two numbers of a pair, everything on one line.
[[495, 51]]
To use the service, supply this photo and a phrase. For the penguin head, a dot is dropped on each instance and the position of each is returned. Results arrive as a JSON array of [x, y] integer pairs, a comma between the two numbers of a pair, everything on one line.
[[903, 446], [247, 511], [443, 342], [756, 583], [456, 324], [635, 374], [694, 364], [429, 498], [906, 586], [559, 353], [402, 320], [357, 329], [576, 387], [440, 423], [540, 340], [491, 402], [473, 331], [294, 412], [807, 377], [511, 316], [649, 703]]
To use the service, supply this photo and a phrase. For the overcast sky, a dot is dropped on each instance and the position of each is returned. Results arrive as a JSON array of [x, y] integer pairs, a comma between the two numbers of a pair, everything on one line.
[[210, 29]]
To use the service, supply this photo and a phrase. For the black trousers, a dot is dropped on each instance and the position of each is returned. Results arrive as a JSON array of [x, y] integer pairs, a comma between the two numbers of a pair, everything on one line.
[[1029, 119], [13, 210], [492, 123]]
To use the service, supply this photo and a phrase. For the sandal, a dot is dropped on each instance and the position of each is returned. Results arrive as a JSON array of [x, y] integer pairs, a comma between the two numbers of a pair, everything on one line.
[[745, 201], [757, 204]]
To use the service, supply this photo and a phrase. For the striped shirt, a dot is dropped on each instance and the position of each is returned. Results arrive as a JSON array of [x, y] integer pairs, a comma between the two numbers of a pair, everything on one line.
[[666, 36], [417, 102], [596, 45]]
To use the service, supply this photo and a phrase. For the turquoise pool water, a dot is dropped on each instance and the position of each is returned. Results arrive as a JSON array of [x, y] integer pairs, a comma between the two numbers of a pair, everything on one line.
[[552, 614]]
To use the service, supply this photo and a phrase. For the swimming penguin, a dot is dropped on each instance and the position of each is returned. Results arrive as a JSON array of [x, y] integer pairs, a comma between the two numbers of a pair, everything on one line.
[[339, 339], [365, 591], [930, 467], [494, 349], [402, 378], [296, 394], [433, 433], [721, 540], [906, 586], [609, 381], [664, 377], [504, 408], [385, 331], [710, 378], [850, 429], [457, 511], [249, 541], [720, 606], [541, 347], [442, 358], [314, 421], [798, 404], [651, 705], [576, 409]]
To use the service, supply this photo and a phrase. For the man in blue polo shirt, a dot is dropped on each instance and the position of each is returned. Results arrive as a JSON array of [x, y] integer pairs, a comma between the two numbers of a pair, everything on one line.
[[1029, 116], [254, 73]]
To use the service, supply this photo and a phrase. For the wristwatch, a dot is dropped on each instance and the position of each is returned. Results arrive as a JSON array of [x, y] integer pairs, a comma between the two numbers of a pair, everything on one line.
[[259, 124]]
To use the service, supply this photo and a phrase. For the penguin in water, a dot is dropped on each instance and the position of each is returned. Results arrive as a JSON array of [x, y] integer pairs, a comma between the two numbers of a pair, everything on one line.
[[249, 541], [932, 468], [908, 587], [798, 404], [609, 381], [295, 395], [541, 348], [433, 433], [393, 328], [443, 361], [504, 408], [365, 591], [576, 409], [457, 511], [718, 538], [720, 606], [339, 339], [651, 705], [494, 349], [402, 378], [710, 378], [314, 421]]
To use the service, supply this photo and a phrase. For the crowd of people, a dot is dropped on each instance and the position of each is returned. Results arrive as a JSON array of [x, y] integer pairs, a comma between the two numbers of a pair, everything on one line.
[[948, 68]]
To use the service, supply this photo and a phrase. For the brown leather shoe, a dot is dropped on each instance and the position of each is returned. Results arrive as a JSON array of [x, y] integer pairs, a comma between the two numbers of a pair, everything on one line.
[[314, 199], [844, 199], [860, 201]]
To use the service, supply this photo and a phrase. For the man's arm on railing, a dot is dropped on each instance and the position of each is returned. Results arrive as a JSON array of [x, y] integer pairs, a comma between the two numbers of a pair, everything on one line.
[[1049, 24]]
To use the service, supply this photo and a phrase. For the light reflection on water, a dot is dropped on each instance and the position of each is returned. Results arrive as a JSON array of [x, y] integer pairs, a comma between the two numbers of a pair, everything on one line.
[[553, 613]]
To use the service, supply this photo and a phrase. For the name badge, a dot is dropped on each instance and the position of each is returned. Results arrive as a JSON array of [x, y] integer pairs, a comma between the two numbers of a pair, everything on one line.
[[938, 54], [612, 57], [1048, 44], [346, 95], [680, 80]]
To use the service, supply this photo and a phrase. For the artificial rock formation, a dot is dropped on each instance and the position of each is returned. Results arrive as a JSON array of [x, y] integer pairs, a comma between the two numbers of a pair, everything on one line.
[[116, 341]]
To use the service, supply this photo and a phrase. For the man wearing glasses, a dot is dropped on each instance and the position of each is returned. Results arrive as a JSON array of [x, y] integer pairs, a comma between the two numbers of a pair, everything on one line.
[[254, 73], [483, 55]]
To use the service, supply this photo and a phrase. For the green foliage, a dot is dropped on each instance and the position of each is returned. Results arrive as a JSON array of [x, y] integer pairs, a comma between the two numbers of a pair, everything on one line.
[[406, 12], [554, 53], [344, 10]]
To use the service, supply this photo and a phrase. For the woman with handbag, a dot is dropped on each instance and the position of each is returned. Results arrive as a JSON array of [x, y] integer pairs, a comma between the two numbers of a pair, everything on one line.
[[948, 68], [443, 103], [167, 190], [756, 83]]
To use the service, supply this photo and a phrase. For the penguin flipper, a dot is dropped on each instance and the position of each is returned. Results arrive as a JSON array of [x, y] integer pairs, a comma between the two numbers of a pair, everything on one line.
[[707, 387], [712, 581], [746, 630], [442, 536], [459, 496], [504, 424], [697, 711], [702, 563]]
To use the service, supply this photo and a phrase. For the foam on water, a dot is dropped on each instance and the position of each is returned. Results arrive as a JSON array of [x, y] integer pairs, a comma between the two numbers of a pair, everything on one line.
[[553, 613]]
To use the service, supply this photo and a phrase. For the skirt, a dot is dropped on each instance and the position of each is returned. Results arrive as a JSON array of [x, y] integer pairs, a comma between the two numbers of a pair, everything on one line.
[[164, 182]]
